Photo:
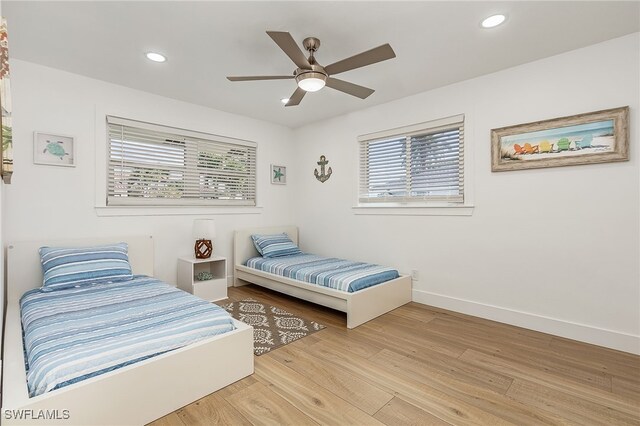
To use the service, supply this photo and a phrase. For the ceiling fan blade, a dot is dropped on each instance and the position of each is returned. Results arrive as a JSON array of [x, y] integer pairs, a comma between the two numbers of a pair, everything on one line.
[[261, 77], [296, 97], [290, 47], [349, 88], [377, 54]]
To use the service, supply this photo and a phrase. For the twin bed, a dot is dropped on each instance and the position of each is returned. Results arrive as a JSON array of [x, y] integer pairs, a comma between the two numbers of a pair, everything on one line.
[[129, 352], [312, 279], [134, 393]]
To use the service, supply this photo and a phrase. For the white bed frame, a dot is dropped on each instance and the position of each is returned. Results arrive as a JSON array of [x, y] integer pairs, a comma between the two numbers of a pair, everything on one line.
[[360, 306], [135, 394]]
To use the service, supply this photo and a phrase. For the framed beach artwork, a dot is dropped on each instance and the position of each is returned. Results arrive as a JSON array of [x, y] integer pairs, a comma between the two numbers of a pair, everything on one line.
[[594, 137], [278, 175], [54, 150]]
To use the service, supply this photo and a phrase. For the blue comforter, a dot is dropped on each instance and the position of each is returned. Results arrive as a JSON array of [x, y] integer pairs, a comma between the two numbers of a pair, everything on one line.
[[334, 273], [77, 333]]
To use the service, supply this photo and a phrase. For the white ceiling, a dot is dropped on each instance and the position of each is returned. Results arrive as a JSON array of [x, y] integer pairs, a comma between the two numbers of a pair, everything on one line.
[[437, 43]]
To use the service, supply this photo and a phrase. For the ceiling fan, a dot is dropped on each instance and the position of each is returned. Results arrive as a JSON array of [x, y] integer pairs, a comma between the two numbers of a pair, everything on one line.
[[311, 76]]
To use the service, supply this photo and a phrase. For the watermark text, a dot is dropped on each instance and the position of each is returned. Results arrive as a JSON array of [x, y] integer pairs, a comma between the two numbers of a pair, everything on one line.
[[29, 414]]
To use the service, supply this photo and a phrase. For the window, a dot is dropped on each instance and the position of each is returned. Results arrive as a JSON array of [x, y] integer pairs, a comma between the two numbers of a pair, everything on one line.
[[157, 165], [419, 163]]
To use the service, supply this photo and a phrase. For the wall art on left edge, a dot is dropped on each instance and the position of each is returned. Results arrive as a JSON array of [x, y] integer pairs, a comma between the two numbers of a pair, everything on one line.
[[6, 153], [54, 150]]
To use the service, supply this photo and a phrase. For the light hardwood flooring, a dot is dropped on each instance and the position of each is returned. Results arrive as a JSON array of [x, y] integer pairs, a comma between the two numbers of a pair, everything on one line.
[[419, 365]]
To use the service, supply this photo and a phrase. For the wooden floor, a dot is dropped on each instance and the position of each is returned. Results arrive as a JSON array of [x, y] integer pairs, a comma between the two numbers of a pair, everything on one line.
[[421, 365]]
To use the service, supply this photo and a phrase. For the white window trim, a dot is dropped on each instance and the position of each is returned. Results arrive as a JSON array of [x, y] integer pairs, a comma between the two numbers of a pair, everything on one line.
[[101, 166], [413, 128], [395, 210], [114, 211], [435, 208], [113, 119]]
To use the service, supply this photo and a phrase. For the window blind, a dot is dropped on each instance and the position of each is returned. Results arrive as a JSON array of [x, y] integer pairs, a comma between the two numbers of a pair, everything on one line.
[[150, 164], [419, 163]]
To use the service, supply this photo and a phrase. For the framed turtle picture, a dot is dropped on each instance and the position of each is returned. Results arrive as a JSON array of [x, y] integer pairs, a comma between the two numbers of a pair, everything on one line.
[[54, 150]]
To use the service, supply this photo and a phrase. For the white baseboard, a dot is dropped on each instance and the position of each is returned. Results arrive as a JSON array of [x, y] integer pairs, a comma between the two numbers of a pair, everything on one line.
[[571, 330]]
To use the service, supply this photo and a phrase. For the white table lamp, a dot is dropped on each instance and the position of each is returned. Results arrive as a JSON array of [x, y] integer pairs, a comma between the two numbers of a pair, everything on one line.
[[204, 230]]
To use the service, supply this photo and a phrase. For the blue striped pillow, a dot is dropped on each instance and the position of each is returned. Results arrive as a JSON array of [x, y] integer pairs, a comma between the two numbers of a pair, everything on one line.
[[278, 245], [65, 267]]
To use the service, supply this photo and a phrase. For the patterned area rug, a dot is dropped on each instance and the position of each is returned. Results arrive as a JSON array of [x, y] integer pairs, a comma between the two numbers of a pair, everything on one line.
[[272, 326]]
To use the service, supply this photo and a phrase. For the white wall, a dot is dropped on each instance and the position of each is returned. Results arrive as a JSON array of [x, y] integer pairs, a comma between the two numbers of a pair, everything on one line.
[[48, 202], [554, 249]]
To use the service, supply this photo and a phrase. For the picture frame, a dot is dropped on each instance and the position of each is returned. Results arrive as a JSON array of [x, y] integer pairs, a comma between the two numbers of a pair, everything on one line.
[[54, 149], [589, 138], [278, 174], [6, 128]]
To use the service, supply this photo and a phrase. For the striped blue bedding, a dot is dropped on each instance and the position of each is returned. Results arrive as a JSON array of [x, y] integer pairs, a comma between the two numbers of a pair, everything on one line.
[[76, 333], [334, 273]]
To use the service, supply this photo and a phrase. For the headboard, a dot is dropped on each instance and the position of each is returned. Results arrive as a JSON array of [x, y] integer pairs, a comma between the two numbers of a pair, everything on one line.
[[243, 247], [24, 270]]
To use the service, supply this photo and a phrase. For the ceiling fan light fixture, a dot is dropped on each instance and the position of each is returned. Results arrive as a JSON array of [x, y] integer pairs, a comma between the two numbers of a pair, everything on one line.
[[310, 76], [311, 81]]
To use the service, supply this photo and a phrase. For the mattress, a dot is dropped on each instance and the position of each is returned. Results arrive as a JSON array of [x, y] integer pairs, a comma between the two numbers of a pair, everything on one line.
[[76, 333], [338, 274]]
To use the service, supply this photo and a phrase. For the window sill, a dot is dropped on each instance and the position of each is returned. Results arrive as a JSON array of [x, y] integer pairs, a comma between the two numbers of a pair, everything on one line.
[[107, 211], [396, 210]]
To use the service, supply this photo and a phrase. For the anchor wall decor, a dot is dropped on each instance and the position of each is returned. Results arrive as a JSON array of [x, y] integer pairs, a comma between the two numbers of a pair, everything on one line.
[[322, 176]]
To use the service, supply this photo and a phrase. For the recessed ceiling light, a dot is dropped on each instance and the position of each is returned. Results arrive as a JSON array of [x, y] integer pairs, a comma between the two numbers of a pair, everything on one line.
[[493, 21], [155, 57], [284, 100]]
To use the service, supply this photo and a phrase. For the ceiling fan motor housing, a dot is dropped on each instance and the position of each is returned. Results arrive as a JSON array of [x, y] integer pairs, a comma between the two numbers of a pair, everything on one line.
[[311, 44]]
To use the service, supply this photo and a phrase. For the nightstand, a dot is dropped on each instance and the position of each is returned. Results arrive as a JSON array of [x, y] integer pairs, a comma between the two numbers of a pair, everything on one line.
[[211, 290]]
